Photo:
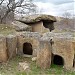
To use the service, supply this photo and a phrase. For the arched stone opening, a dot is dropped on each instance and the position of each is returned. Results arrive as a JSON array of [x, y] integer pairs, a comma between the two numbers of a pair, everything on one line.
[[58, 60], [27, 48]]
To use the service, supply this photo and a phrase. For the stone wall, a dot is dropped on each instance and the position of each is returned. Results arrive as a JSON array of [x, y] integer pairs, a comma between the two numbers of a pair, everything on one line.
[[11, 42], [38, 27], [43, 47], [29, 37], [73, 43], [64, 48], [44, 55], [3, 49]]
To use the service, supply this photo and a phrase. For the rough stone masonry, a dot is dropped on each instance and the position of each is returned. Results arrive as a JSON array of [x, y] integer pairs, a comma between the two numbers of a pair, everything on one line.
[[46, 46]]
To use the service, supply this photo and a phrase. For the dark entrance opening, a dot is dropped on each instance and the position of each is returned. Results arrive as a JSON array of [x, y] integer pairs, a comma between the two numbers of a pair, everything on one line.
[[73, 63], [58, 60], [48, 24], [27, 48]]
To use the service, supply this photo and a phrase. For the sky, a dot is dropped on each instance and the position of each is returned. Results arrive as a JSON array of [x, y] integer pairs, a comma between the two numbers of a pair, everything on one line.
[[55, 7]]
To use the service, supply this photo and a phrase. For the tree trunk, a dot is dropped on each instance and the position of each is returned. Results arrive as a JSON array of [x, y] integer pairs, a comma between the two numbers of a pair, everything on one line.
[[4, 17]]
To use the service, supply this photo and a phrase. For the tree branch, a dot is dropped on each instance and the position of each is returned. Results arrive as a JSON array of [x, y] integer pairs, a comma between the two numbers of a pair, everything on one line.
[[24, 4], [1, 2]]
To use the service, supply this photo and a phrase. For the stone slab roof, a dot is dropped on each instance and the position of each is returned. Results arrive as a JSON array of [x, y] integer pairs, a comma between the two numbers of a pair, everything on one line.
[[37, 18]]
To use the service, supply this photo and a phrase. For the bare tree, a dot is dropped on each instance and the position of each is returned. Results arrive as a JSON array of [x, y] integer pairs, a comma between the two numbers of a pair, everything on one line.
[[20, 6], [66, 22], [67, 17], [1, 1]]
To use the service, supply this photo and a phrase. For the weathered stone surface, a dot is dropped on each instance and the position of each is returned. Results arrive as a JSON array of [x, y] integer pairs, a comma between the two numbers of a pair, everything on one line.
[[43, 45], [55, 35], [73, 43], [29, 34], [34, 20], [24, 66], [3, 52], [28, 37], [64, 48], [44, 55], [34, 58], [37, 18], [39, 27], [62, 45], [19, 26], [50, 35], [11, 41]]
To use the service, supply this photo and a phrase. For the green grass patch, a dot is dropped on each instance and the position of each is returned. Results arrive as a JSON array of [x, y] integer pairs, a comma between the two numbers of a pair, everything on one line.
[[6, 29], [11, 68]]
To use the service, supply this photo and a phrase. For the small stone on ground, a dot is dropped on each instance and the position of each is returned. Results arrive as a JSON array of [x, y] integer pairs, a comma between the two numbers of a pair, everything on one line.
[[24, 66]]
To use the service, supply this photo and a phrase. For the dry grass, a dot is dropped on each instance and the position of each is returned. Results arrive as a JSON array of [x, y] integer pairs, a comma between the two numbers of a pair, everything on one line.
[[6, 29]]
